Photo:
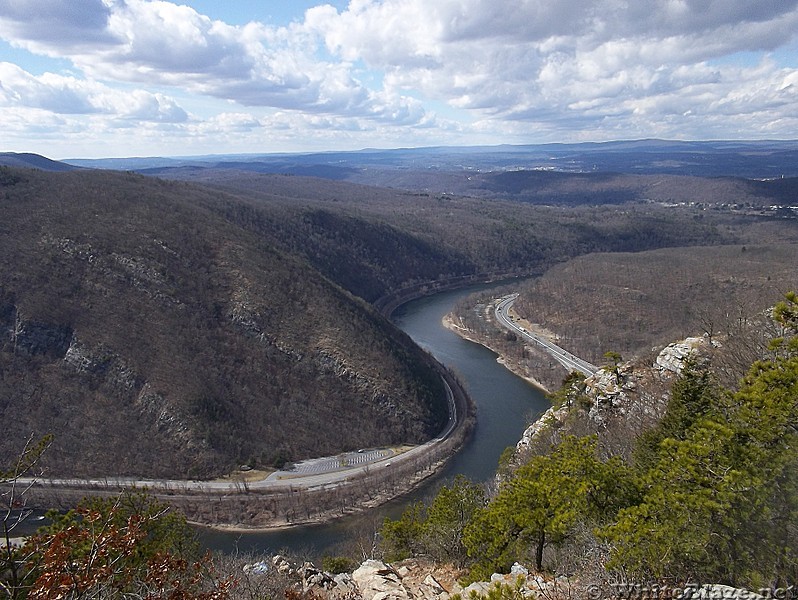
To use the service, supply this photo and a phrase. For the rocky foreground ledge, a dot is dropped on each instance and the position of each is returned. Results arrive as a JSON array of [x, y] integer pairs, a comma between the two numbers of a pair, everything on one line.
[[416, 579], [411, 579]]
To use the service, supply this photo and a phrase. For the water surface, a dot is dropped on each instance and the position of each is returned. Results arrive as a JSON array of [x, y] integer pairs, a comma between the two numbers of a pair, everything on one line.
[[505, 405]]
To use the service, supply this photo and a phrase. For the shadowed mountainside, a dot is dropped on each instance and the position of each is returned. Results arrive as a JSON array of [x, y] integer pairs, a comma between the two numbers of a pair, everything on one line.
[[155, 338], [375, 240]]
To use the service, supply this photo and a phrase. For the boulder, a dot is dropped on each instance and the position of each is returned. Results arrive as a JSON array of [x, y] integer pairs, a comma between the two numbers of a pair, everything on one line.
[[378, 581], [259, 568], [481, 588], [431, 589], [345, 586], [281, 564], [673, 356], [519, 570]]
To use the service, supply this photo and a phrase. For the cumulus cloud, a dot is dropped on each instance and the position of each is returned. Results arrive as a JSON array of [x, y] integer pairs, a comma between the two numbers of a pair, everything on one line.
[[65, 95], [411, 28], [575, 61], [55, 26], [159, 43], [533, 70]]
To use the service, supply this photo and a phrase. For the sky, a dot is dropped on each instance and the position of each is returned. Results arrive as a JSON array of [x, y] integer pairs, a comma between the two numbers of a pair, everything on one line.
[[118, 78]]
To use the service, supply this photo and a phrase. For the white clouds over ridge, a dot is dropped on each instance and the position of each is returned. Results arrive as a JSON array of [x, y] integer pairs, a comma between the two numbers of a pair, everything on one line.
[[68, 95], [378, 73]]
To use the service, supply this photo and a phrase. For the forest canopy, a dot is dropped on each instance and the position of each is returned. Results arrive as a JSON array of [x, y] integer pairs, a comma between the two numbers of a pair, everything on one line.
[[710, 496]]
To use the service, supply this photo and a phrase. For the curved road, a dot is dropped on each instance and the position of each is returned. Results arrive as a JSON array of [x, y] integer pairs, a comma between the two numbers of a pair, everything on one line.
[[565, 358], [308, 474]]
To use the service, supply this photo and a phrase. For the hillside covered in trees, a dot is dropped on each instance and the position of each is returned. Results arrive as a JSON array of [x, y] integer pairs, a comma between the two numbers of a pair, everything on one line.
[[153, 337], [636, 303], [166, 328]]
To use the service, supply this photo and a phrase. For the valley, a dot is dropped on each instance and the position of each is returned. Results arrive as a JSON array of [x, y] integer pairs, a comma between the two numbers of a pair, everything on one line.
[[398, 300], [231, 317]]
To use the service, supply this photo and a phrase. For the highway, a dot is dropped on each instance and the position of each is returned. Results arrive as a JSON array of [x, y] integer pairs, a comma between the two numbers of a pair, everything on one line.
[[308, 474], [565, 358]]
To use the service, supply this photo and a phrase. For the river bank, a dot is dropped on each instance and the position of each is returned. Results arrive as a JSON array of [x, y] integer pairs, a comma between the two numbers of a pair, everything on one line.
[[242, 507], [452, 323], [476, 322], [240, 510], [389, 303]]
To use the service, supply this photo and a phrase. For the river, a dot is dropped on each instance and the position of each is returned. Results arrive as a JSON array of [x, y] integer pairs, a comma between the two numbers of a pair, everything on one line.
[[505, 405]]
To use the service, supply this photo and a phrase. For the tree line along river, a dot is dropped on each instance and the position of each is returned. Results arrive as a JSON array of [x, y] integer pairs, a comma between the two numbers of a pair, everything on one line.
[[505, 405]]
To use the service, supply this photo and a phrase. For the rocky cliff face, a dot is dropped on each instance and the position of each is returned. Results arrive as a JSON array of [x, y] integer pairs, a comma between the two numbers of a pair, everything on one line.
[[673, 357], [615, 403]]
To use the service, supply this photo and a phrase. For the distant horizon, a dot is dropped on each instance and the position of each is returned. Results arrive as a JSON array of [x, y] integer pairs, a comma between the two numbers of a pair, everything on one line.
[[751, 159], [433, 147], [101, 78]]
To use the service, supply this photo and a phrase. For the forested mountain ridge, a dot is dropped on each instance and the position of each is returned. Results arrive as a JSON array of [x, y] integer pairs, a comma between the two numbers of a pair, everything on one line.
[[197, 287], [373, 240], [417, 168], [155, 338], [33, 161]]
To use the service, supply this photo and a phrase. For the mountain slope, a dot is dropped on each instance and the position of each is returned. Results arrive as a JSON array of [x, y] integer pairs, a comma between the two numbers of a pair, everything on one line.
[[155, 338], [374, 240], [34, 161]]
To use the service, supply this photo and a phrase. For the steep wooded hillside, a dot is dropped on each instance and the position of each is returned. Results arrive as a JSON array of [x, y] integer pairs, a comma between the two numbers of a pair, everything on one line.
[[630, 303], [153, 337], [375, 240], [208, 325]]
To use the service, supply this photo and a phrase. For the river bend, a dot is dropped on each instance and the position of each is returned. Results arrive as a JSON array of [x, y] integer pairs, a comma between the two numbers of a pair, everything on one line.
[[505, 405]]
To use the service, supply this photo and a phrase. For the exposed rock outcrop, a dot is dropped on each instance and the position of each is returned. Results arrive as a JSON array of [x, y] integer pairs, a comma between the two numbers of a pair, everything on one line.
[[417, 579], [412, 579], [552, 415], [616, 401], [673, 356], [376, 580]]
